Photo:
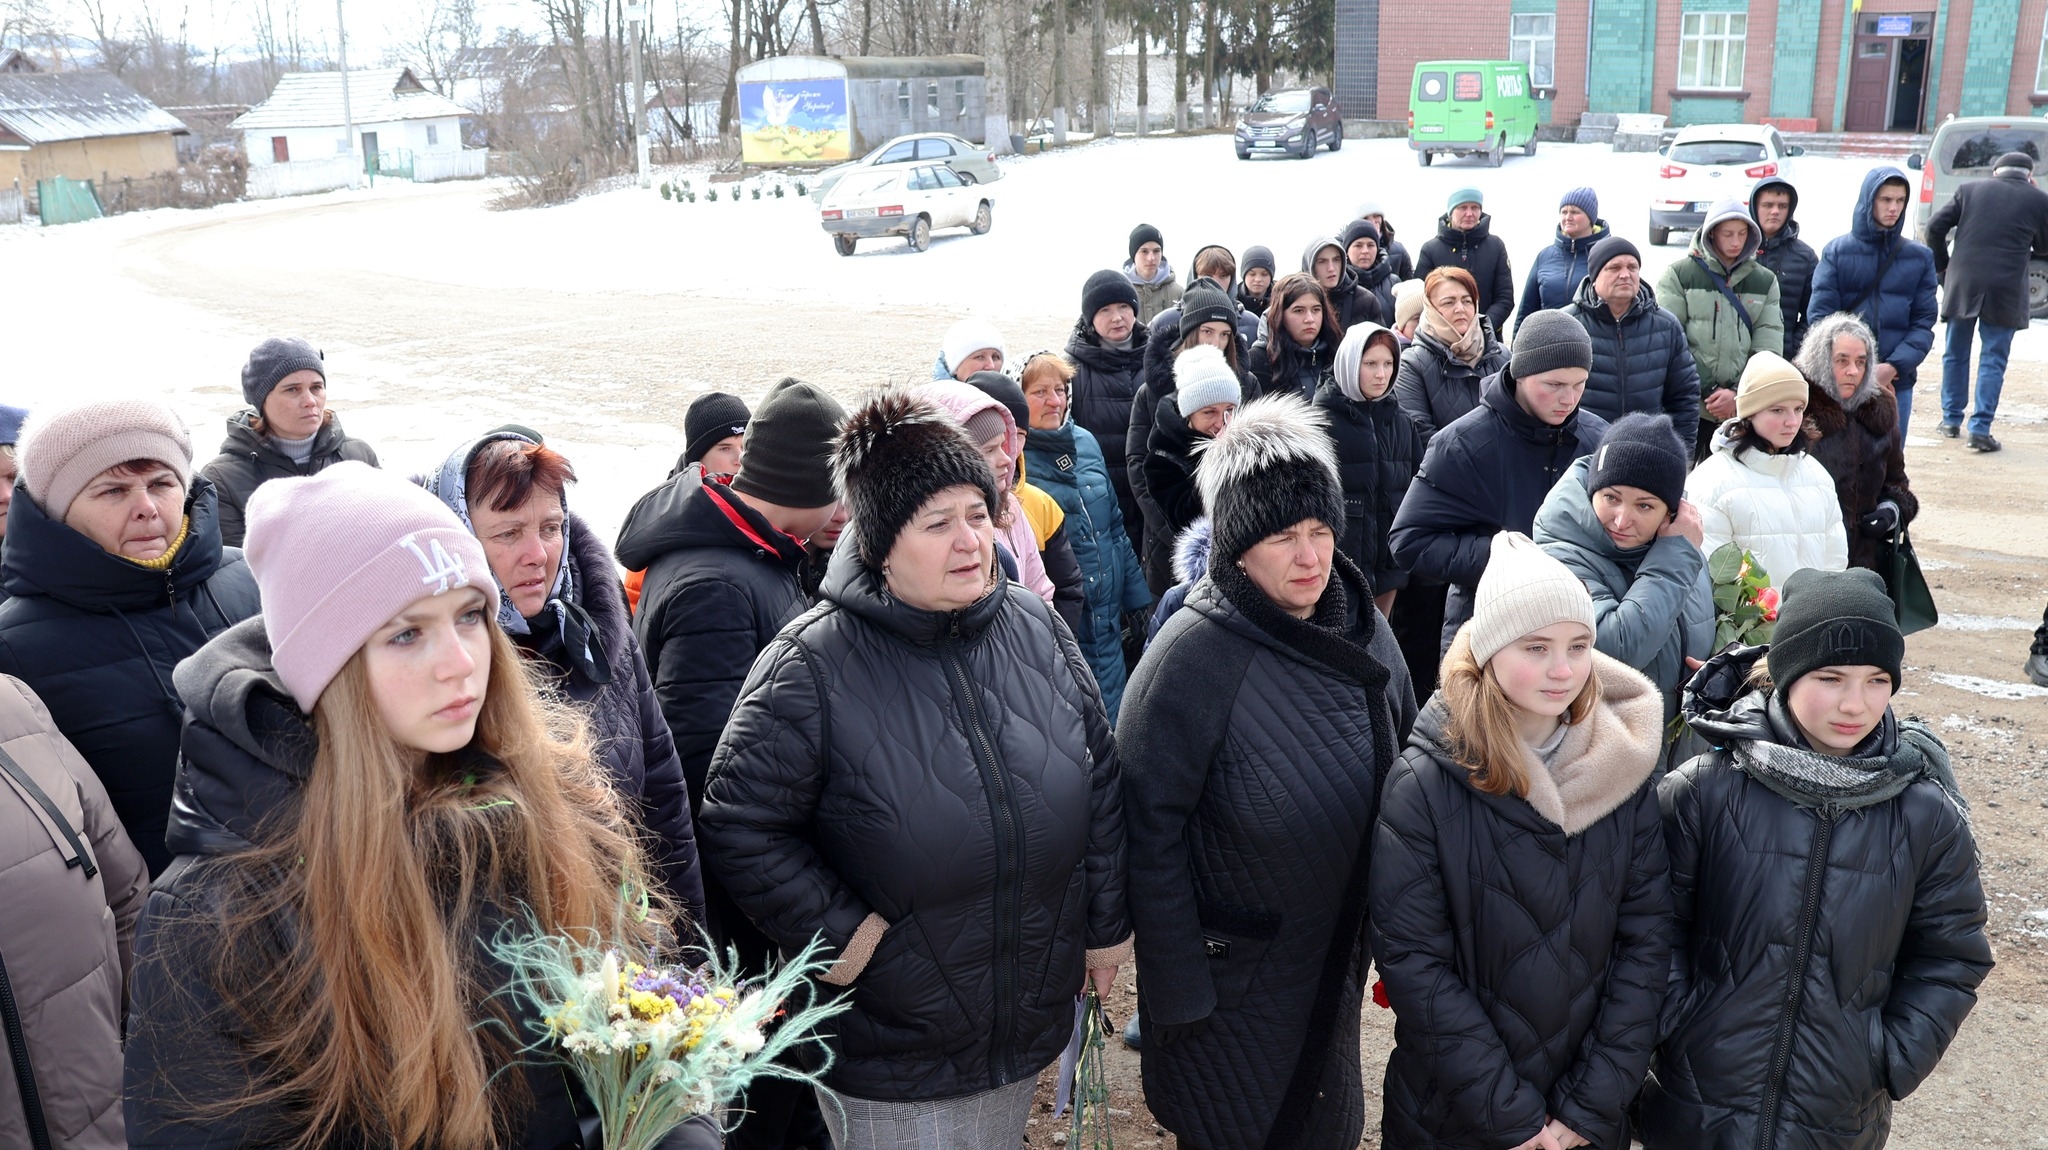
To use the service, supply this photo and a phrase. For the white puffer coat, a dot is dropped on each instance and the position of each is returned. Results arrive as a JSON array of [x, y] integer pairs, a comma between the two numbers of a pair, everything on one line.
[[1781, 508]]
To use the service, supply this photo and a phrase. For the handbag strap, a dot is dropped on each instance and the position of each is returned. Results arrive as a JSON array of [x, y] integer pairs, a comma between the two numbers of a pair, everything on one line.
[[1721, 284], [79, 855]]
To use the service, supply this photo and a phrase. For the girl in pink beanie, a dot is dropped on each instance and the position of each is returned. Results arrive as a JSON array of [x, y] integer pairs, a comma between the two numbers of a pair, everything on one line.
[[374, 786]]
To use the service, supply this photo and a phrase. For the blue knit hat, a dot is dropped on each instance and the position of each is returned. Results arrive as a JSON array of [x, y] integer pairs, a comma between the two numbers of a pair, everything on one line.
[[10, 423], [1585, 199]]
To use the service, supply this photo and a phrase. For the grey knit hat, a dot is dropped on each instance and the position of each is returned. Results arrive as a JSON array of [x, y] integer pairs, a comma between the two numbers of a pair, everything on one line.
[[271, 361], [786, 458], [1270, 469], [1547, 340]]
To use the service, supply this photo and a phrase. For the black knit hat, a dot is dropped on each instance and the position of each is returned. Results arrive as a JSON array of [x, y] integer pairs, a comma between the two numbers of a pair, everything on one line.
[[1641, 450], [1548, 340], [713, 416], [787, 458], [1104, 288], [1606, 250], [1834, 619], [1271, 468], [897, 452], [1005, 391], [1145, 234], [1205, 305], [1358, 230], [274, 359], [1258, 257]]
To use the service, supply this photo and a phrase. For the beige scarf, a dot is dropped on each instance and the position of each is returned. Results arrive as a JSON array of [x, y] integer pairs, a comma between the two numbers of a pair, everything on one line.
[[1466, 348]]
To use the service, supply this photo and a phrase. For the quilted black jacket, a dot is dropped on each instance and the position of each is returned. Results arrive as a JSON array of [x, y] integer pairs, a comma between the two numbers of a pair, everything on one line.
[[1378, 452], [1251, 778], [954, 774], [248, 460], [1826, 958], [1435, 388], [1106, 380], [1526, 966], [1641, 362]]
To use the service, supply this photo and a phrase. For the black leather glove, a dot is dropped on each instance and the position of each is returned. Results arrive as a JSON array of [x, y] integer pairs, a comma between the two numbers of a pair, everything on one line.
[[1880, 523], [1165, 1034]]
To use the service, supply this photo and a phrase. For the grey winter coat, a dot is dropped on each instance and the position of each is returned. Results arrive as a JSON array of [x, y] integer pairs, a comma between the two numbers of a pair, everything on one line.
[[1653, 607], [1256, 755], [248, 460], [1999, 225], [72, 886]]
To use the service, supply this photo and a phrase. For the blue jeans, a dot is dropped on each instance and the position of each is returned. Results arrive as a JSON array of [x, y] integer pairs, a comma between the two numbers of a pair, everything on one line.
[[1955, 373]]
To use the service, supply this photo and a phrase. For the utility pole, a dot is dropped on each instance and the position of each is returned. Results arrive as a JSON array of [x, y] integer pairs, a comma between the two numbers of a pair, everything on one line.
[[636, 19], [348, 118]]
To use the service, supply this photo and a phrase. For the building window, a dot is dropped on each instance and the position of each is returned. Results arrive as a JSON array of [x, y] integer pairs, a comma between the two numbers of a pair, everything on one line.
[[2041, 68], [903, 99], [1710, 49], [931, 98], [1532, 39], [433, 135], [960, 97]]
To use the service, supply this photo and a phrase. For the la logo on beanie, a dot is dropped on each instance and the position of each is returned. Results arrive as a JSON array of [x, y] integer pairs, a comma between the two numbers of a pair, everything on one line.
[[443, 570]]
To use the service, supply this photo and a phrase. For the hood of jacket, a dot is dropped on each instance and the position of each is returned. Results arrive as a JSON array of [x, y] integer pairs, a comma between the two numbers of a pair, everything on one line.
[[1351, 351], [246, 748], [1347, 278], [964, 402], [1816, 358], [1086, 349], [856, 589], [1864, 225], [1459, 239], [1567, 516], [1589, 303], [1790, 231], [1722, 211], [45, 557], [1191, 551], [1163, 275], [654, 526]]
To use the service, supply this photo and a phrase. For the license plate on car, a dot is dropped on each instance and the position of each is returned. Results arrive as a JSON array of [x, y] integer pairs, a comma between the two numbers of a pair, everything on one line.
[[1701, 205], [852, 212], [1427, 129], [1265, 143]]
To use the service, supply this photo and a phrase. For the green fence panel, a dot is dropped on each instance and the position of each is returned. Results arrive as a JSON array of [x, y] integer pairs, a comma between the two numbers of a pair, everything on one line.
[[63, 201]]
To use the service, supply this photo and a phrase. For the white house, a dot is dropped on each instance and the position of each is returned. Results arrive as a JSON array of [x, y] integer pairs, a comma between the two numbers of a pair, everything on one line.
[[393, 113]]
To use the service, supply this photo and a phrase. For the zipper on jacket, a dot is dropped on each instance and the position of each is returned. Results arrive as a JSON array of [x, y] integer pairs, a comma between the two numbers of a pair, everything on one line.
[[24, 1070], [1802, 955], [1009, 901]]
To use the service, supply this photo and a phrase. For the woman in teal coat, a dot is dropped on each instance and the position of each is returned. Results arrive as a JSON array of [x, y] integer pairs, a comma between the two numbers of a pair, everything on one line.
[[1064, 461]]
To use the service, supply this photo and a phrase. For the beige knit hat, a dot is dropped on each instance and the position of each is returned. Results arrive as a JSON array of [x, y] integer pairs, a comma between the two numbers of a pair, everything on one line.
[[1408, 301], [1767, 379], [61, 451], [1524, 589]]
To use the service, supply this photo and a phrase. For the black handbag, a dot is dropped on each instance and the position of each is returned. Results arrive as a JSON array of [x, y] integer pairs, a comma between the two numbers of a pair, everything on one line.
[[1912, 602]]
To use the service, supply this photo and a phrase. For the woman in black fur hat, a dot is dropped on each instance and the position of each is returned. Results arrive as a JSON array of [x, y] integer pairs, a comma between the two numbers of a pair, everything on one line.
[[920, 771]]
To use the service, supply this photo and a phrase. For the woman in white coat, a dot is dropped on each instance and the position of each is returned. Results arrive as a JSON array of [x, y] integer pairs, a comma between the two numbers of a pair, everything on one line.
[[1760, 490]]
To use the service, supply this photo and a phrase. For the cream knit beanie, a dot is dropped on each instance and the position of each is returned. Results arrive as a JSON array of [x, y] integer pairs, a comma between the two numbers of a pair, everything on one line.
[[60, 451], [1524, 589], [1767, 379]]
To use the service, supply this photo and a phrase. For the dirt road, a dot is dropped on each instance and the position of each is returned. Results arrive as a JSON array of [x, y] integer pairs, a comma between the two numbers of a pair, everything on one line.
[[426, 361]]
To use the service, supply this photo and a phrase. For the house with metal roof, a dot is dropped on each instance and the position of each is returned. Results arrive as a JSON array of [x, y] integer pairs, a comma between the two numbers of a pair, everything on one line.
[[394, 114], [80, 125]]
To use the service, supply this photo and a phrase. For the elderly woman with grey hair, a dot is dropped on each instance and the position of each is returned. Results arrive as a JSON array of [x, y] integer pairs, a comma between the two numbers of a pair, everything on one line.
[[1861, 443]]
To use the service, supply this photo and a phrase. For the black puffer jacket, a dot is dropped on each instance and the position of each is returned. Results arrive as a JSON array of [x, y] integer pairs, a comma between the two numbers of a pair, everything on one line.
[[246, 753], [1170, 474], [1641, 362], [1435, 387], [953, 775], [1256, 748], [1827, 957], [1156, 551], [96, 637], [632, 737], [1280, 365], [248, 460], [1792, 260], [1525, 942], [1106, 380], [1480, 252], [1378, 453], [1484, 474], [1379, 279]]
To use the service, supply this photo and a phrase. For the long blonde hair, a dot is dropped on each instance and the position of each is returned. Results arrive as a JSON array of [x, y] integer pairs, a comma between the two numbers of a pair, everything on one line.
[[1483, 734], [351, 935]]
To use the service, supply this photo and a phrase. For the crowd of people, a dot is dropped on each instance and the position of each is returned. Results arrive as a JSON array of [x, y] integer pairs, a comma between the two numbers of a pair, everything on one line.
[[1279, 628]]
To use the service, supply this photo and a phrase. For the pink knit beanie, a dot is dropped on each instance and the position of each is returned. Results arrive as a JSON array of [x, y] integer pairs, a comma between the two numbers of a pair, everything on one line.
[[337, 554], [61, 451]]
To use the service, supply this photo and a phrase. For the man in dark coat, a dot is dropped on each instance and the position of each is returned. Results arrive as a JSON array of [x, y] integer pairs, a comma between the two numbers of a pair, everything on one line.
[[1772, 204], [1464, 239], [2000, 224], [1886, 279], [1489, 471], [1641, 360], [96, 633]]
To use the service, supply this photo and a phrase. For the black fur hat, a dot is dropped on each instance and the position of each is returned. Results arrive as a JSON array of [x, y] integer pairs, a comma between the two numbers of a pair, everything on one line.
[[1270, 469], [896, 452]]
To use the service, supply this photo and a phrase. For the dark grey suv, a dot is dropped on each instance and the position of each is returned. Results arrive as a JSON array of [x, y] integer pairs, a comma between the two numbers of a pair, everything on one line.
[[1291, 122]]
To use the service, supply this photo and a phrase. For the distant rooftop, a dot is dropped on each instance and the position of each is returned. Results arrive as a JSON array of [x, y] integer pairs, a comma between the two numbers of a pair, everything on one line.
[[376, 96], [46, 107]]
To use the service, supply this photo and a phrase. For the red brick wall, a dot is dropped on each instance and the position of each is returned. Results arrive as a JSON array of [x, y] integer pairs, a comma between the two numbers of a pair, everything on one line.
[[1955, 51], [1475, 30], [1571, 63], [1828, 63]]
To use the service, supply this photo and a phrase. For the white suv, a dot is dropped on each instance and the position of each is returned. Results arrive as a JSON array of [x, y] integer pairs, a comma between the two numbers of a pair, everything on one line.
[[1710, 162]]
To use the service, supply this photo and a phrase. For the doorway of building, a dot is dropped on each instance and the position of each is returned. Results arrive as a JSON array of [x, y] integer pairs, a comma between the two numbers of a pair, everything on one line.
[[1888, 78]]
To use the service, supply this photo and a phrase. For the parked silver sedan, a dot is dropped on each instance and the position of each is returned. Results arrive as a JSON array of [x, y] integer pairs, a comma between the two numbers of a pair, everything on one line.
[[975, 163]]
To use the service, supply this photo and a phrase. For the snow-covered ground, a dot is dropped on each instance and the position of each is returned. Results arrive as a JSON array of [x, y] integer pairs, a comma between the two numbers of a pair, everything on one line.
[[169, 302]]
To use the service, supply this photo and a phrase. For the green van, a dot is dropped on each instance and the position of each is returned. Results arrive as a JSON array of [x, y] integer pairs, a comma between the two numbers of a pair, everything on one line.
[[1471, 108]]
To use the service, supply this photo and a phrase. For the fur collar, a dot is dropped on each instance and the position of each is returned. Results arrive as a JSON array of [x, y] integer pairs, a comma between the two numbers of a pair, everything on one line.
[[1833, 416], [1605, 759]]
